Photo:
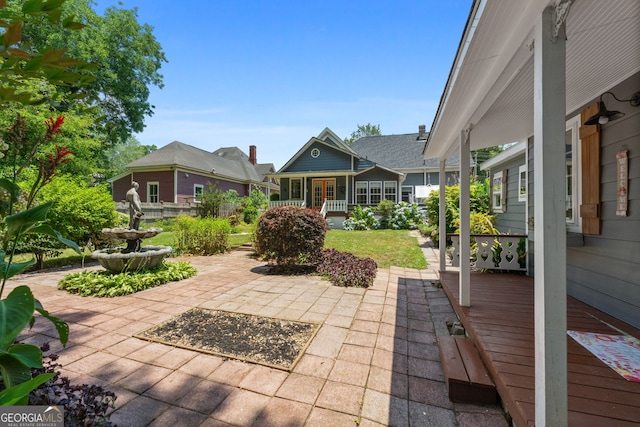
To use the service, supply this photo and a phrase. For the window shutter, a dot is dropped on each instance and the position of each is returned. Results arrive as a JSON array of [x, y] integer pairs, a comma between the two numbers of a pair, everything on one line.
[[504, 190], [590, 140]]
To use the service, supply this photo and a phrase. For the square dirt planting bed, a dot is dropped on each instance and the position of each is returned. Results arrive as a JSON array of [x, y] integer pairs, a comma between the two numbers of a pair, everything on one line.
[[277, 343]]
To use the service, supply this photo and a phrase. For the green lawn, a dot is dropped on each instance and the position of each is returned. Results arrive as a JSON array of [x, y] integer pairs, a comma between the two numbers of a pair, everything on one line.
[[386, 247]]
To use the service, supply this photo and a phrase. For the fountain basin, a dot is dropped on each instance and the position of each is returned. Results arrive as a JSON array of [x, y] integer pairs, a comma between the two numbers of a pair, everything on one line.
[[131, 234], [116, 261]]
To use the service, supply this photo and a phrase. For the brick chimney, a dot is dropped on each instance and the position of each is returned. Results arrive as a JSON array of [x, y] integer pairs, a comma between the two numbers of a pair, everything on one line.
[[252, 154], [422, 132]]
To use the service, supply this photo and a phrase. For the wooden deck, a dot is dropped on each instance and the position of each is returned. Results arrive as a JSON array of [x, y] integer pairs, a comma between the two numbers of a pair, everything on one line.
[[500, 321]]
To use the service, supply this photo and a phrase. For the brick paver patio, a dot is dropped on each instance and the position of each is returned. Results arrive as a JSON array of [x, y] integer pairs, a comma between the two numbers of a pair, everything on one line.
[[374, 361]]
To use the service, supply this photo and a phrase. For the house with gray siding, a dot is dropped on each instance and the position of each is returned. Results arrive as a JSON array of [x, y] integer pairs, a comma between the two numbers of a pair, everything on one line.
[[562, 78], [330, 175], [507, 174]]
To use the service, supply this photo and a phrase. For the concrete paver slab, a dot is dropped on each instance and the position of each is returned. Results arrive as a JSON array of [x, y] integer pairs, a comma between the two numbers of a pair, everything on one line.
[[374, 362]]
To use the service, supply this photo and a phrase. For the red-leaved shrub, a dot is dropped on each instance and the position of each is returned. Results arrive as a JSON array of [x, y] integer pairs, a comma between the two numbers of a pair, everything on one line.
[[346, 269], [290, 235]]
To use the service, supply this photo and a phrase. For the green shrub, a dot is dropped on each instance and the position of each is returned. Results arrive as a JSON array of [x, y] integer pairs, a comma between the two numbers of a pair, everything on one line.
[[290, 235], [385, 208], [361, 219], [250, 214], [396, 216], [479, 202], [103, 283], [405, 216], [202, 236], [79, 212]]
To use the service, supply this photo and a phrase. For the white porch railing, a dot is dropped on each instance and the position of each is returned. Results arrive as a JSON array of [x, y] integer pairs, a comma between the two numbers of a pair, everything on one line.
[[323, 211], [496, 252], [336, 205], [278, 203], [333, 206]]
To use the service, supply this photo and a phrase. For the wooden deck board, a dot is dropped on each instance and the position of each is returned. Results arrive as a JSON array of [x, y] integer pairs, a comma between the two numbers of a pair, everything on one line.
[[501, 323]]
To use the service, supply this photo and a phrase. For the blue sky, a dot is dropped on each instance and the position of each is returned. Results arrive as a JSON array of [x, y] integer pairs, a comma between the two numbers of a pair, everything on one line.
[[275, 73]]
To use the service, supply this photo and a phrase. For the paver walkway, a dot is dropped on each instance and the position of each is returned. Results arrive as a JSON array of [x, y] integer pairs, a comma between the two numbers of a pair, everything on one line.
[[374, 361]]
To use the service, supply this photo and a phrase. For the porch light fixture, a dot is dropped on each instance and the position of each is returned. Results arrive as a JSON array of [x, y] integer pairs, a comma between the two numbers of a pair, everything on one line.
[[605, 116]]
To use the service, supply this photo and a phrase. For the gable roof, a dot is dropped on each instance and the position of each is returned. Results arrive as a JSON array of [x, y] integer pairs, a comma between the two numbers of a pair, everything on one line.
[[397, 151], [228, 162], [326, 137]]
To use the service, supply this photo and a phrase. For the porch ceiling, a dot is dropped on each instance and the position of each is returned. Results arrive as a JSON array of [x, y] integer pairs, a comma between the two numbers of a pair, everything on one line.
[[491, 83]]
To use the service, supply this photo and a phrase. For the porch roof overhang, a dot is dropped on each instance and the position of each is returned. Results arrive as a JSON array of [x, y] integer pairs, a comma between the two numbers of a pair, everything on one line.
[[320, 174], [490, 86]]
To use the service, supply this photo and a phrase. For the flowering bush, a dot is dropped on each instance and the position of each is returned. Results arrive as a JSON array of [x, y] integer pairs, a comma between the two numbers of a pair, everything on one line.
[[399, 216], [362, 219], [406, 216], [346, 269]]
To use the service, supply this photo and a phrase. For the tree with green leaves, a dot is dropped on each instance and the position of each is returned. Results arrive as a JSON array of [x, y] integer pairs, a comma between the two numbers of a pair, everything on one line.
[[24, 65], [116, 157], [363, 130], [20, 67], [126, 59]]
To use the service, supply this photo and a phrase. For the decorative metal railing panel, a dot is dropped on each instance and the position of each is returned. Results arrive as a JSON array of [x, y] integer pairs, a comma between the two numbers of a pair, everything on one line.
[[493, 251]]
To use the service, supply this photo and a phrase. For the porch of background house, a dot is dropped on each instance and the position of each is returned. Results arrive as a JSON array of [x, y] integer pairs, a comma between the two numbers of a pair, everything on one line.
[[500, 322]]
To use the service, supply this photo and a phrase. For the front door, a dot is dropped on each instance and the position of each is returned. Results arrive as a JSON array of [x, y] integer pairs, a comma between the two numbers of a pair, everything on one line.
[[323, 189]]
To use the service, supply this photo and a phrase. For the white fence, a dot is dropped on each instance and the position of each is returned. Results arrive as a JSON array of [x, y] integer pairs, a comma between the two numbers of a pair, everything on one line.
[[493, 251]]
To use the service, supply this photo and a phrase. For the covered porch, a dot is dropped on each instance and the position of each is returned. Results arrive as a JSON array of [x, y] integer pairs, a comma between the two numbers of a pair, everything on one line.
[[501, 324], [536, 72]]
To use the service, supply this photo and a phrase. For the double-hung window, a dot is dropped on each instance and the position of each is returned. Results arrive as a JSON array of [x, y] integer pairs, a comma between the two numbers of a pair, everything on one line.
[[198, 190], [496, 194], [153, 192], [375, 192], [391, 190], [522, 183], [362, 190]]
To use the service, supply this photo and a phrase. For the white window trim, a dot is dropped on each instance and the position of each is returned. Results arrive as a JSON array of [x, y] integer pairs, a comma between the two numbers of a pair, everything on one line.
[[195, 192], [522, 170], [575, 224], [149, 184], [365, 185], [379, 185], [495, 207], [394, 185]]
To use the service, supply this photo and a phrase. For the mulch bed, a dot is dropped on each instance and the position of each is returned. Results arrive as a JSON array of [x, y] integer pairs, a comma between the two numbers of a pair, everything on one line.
[[267, 341]]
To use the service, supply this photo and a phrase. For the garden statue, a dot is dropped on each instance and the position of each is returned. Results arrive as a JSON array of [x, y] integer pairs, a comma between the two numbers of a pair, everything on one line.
[[135, 208]]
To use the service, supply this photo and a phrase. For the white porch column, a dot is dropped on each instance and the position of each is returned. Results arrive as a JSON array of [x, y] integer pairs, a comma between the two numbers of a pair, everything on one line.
[[550, 226], [346, 189], [442, 219], [465, 220]]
